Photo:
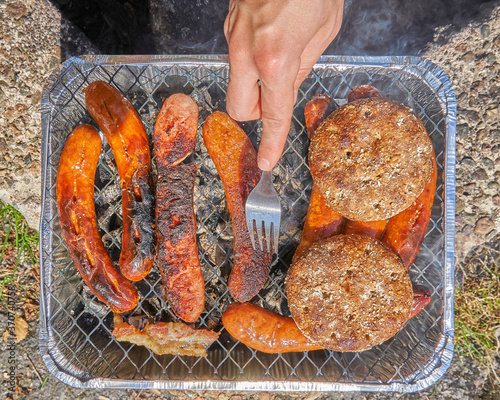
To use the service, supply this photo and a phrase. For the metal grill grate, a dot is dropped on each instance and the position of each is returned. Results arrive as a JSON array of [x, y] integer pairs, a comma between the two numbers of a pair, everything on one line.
[[76, 340]]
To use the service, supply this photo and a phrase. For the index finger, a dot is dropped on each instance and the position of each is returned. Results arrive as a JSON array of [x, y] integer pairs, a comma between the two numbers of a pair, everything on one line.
[[277, 101]]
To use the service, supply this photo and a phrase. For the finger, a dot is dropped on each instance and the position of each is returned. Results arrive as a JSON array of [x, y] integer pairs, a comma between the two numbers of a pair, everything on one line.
[[243, 92], [229, 21], [243, 96], [277, 100]]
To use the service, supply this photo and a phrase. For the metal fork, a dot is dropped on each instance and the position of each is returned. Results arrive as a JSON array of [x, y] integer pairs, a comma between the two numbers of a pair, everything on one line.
[[263, 213]]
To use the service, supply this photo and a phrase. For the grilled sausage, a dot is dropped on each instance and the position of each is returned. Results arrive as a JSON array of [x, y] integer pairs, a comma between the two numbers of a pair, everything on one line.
[[75, 202], [236, 162], [363, 91], [321, 222], [314, 112], [127, 137], [374, 229], [405, 231], [175, 130], [421, 297], [264, 330], [174, 139], [269, 332]]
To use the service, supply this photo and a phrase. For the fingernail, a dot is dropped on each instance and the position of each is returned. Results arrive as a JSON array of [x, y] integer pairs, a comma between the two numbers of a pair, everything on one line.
[[263, 164]]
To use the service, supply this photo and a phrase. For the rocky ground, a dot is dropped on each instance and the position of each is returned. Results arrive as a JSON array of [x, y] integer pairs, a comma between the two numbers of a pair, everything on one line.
[[30, 37]]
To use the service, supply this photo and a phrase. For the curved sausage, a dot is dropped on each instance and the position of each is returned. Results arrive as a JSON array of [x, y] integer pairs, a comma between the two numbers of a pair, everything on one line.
[[264, 330], [236, 162], [421, 297], [374, 229], [405, 231], [315, 111], [175, 130], [174, 139], [75, 202], [269, 332], [362, 91], [321, 222], [127, 137]]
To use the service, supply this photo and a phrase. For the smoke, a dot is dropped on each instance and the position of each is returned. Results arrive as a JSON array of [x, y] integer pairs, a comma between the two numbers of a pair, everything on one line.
[[402, 27]]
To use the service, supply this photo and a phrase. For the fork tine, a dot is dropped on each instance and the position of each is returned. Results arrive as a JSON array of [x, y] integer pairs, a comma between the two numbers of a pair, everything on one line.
[[259, 233], [276, 235], [250, 228], [267, 229]]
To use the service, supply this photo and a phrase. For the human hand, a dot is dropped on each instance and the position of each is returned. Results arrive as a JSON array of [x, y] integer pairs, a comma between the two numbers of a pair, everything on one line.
[[273, 45]]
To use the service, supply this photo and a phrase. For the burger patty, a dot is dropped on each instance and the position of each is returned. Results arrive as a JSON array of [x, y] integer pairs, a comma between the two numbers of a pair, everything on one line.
[[371, 158], [349, 293]]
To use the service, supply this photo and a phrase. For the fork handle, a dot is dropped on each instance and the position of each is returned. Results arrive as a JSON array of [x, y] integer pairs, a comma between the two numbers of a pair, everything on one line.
[[266, 177]]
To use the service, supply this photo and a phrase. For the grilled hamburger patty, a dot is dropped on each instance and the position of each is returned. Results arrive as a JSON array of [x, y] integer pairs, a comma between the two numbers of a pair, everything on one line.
[[349, 293], [371, 158]]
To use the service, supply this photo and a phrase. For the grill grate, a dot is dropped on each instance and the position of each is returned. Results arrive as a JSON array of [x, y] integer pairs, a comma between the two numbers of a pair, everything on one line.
[[76, 340]]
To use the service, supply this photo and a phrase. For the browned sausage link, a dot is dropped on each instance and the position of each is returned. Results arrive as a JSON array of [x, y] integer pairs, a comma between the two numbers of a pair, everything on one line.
[[175, 130], [374, 229], [405, 231], [174, 139], [236, 161], [321, 222], [314, 112], [264, 330], [421, 297], [362, 91], [127, 137], [269, 332], [176, 233], [75, 202]]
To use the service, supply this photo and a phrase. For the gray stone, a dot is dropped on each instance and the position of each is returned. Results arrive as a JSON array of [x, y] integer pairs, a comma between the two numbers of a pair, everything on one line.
[[484, 225], [493, 185], [482, 133], [467, 162], [497, 41], [469, 57], [492, 114], [467, 230], [486, 148], [463, 131], [489, 164], [479, 174], [16, 10], [459, 205], [485, 31], [469, 218], [472, 115]]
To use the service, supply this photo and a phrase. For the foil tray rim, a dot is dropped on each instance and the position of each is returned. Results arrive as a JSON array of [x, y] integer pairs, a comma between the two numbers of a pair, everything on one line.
[[438, 365]]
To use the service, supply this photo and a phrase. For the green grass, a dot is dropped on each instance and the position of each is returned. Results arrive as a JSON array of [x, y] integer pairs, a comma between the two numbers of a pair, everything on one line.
[[18, 239], [477, 308]]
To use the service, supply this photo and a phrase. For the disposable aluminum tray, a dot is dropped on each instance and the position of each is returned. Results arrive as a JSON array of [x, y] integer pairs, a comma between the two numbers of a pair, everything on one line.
[[75, 329]]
